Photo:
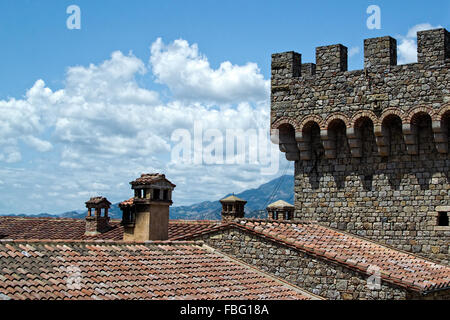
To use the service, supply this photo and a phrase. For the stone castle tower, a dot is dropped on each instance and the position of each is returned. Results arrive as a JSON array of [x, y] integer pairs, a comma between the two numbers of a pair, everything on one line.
[[371, 146]]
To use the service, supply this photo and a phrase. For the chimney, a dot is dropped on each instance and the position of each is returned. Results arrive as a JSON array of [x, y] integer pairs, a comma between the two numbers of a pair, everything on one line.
[[232, 208], [97, 222], [280, 210], [146, 215]]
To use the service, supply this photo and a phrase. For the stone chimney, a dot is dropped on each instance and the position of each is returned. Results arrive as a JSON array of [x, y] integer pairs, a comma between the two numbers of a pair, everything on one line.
[[232, 208], [98, 221], [280, 210], [146, 215]]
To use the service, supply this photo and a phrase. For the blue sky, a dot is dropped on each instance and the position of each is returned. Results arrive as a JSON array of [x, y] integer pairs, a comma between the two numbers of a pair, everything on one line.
[[53, 155]]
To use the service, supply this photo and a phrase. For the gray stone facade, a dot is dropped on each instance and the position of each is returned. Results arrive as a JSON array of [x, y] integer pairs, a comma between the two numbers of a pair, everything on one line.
[[370, 146], [312, 273]]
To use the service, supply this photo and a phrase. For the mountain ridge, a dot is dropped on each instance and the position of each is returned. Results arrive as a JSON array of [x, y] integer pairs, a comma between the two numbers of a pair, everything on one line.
[[281, 188]]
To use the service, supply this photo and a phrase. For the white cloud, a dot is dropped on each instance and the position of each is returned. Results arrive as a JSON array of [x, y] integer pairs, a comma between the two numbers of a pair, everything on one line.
[[10, 154], [38, 144], [103, 129], [407, 48], [189, 75]]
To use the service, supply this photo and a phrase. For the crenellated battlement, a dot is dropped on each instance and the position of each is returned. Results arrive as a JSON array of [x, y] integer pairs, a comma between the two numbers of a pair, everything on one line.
[[371, 146], [316, 93], [380, 52], [433, 48]]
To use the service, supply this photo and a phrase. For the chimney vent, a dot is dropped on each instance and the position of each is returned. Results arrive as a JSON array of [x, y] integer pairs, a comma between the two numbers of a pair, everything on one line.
[[146, 215], [232, 208], [98, 221], [280, 210]]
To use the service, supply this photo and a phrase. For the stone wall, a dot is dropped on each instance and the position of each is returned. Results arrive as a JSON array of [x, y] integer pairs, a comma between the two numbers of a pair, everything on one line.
[[313, 274], [370, 146], [96, 225]]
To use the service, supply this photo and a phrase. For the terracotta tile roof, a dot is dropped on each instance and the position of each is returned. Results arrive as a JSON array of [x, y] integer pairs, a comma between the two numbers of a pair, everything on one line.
[[128, 202], [232, 198], [121, 270], [98, 200], [150, 178], [73, 229], [280, 204], [184, 228], [398, 267]]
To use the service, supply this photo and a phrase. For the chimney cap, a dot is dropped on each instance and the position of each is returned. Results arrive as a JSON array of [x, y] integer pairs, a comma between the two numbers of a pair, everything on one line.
[[280, 204], [98, 201], [151, 178], [127, 203], [231, 199]]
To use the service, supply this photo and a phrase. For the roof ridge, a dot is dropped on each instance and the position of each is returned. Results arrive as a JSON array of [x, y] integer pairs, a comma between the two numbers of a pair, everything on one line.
[[101, 241], [202, 232], [293, 221], [182, 221], [40, 218]]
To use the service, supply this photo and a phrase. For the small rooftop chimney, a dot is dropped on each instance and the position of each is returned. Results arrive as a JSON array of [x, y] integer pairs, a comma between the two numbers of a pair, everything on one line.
[[232, 208], [146, 215], [96, 222], [280, 210]]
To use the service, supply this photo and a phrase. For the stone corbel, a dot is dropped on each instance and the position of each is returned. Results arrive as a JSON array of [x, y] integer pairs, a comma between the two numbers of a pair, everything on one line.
[[329, 143], [355, 143], [291, 151], [440, 136], [410, 135], [382, 140]]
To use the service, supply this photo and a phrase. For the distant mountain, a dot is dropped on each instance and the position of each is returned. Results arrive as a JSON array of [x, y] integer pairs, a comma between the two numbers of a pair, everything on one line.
[[38, 215], [114, 212], [281, 188]]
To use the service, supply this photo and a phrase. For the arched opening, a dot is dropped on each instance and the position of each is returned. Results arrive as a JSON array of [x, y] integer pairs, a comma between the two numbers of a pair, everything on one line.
[[364, 129], [312, 148], [335, 140], [445, 127], [422, 128], [393, 135], [445, 122], [363, 145]]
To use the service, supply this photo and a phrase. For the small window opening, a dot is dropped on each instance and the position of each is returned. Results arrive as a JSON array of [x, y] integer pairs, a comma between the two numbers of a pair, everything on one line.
[[156, 194], [443, 219]]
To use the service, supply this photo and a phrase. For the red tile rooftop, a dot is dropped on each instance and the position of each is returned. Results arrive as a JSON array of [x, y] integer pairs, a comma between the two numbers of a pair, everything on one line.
[[74, 229], [150, 178], [399, 267], [120, 270]]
